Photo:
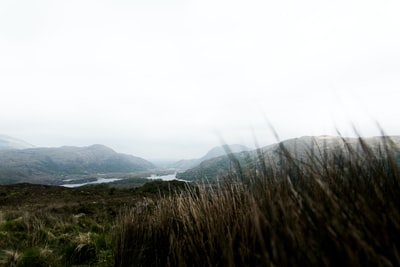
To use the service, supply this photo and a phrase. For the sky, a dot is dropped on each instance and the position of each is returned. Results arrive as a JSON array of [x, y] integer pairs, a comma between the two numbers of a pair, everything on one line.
[[170, 79]]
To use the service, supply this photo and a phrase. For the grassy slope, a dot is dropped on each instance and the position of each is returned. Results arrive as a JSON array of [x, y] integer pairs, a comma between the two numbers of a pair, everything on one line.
[[341, 209], [57, 226]]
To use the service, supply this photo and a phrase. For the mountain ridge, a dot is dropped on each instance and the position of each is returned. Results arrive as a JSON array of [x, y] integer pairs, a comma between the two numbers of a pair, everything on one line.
[[53, 163], [212, 153], [301, 149], [10, 143]]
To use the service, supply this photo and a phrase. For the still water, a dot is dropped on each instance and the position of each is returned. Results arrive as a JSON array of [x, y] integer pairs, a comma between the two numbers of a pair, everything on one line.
[[168, 177]]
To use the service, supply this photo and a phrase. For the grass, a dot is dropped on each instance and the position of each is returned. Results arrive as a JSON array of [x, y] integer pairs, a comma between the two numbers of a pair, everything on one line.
[[50, 239], [56, 226], [332, 207]]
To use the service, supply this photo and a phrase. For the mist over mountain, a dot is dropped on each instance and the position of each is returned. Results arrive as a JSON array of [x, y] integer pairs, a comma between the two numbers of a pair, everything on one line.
[[302, 149], [8, 142], [39, 164], [47, 165], [214, 152]]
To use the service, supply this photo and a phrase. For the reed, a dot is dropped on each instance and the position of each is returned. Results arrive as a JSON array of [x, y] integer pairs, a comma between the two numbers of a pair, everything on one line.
[[332, 208]]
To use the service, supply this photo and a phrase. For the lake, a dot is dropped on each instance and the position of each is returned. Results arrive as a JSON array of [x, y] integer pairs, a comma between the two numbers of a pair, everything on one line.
[[98, 181], [168, 177]]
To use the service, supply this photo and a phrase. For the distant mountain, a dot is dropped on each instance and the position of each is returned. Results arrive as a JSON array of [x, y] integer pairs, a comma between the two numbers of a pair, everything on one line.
[[223, 150], [214, 152], [38, 164], [8, 142], [301, 149]]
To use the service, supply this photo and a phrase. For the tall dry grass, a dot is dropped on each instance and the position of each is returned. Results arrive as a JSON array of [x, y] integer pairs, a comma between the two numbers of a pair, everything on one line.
[[333, 208]]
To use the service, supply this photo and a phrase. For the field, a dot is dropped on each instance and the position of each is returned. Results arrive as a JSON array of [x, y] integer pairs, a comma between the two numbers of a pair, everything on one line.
[[55, 226], [333, 209]]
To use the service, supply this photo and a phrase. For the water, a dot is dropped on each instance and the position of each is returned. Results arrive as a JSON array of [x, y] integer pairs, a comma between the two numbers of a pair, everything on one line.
[[98, 181], [168, 177]]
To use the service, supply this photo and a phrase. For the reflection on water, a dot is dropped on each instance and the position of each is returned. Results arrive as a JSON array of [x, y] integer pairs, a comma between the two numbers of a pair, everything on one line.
[[98, 181], [168, 177]]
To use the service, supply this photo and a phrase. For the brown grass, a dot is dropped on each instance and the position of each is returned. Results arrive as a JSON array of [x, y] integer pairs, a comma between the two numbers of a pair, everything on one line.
[[336, 208]]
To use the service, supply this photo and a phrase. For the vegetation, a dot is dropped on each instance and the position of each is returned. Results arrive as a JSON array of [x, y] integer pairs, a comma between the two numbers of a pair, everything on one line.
[[51, 226], [300, 149], [56, 226], [336, 207]]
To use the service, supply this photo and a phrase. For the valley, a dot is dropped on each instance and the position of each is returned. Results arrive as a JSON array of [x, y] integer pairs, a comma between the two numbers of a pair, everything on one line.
[[228, 208]]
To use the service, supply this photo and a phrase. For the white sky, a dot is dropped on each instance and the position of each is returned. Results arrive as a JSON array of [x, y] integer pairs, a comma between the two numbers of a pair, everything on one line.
[[166, 78]]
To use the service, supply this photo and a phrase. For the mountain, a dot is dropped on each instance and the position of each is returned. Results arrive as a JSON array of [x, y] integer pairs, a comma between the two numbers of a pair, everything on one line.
[[301, 149], [223, 150], [214, 152], [8, 143], [38, 164]]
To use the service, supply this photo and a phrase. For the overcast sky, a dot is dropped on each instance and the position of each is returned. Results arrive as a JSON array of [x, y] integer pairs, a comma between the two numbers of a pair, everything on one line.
[[168, 78]]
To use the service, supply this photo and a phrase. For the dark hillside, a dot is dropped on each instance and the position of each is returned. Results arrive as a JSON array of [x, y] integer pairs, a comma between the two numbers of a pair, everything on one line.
[[212, 153], [41, 164], [301, 149]]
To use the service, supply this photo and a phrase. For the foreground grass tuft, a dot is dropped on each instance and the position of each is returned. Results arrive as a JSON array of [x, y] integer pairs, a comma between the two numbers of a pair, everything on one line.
[[332, 208]]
